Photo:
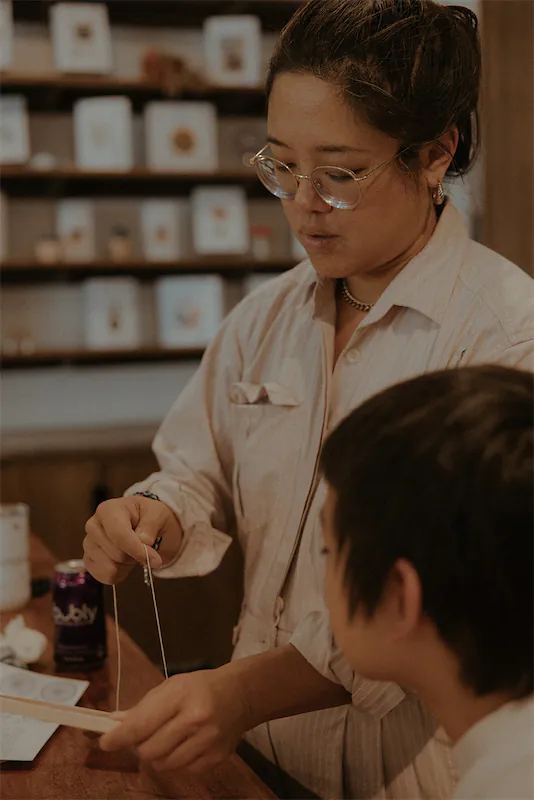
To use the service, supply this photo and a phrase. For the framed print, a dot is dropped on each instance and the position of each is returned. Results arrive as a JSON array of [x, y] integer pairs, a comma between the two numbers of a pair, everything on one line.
[[81, 38], [103, 133], [75, 226], [190, 310], [181, 136], [111, 312], [162, 229], [232, 50], [220, 220], [14, 130], [6, 34]]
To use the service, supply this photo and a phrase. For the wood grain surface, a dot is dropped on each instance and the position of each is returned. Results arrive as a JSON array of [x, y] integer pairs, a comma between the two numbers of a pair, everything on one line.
[[71, 766]]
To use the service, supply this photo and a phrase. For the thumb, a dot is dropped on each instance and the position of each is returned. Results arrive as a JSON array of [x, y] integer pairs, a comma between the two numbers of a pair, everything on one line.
[[152, 520]]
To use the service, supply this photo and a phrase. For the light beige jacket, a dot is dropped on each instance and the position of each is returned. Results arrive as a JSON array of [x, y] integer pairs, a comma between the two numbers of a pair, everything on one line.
[[240, 450]]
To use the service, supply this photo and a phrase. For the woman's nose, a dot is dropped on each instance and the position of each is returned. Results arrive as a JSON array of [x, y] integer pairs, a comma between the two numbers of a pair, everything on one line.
[[307, 198]]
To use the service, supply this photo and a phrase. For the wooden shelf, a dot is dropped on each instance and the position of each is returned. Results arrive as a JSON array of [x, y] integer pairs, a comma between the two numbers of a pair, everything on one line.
[[42, 358], [26, 181], [179, 13], [58, 92], [15, 272]]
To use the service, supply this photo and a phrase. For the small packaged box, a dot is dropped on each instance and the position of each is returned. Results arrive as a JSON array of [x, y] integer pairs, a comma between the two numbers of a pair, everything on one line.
[[75, 227], [163, 225], [220, 220]]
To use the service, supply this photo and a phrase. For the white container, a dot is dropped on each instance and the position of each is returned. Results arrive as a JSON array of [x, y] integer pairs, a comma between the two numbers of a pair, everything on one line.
[[15, 585], [181, 137], [14, 130], [190, 310]]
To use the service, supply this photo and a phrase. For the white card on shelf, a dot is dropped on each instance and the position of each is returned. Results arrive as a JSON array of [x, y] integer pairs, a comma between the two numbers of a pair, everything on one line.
[[103, 133], [14, 130], [75, 227], [6, 34], [81, 38], [190, 309], [4, 228], [220, 220], [162, 229], [232, 50], [111, 313], [181, 137]]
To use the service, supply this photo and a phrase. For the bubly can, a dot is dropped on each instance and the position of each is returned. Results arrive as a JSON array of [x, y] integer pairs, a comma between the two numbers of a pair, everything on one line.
[[79, 618]]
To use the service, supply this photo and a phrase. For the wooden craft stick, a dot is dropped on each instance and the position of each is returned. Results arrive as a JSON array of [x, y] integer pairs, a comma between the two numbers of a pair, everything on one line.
[[88, 719]]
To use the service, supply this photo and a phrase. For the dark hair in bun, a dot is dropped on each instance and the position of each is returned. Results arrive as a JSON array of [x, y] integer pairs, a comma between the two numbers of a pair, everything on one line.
[[412, 66]]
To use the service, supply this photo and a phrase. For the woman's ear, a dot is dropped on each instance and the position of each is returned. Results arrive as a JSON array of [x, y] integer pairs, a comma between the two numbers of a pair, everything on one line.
[[407, 595], [436, 157]]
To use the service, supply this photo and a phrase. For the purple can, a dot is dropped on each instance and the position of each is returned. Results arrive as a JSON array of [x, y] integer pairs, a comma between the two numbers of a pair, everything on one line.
[[79, 618]]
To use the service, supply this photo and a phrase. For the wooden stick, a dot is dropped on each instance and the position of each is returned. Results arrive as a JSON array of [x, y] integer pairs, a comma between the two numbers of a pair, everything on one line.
[[88, 719]]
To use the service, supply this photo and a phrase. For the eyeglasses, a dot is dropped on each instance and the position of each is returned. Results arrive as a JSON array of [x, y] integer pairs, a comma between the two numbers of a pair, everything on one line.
[[339, 187]]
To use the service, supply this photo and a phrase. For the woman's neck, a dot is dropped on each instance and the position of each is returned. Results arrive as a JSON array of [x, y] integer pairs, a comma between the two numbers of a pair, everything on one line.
[[369, 286]]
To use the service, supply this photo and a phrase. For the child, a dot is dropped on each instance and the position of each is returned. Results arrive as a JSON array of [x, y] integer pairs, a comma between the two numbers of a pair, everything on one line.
[[429, 544]]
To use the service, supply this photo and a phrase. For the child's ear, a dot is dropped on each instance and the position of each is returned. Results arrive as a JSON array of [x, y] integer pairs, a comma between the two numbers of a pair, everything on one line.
[[406, 593]]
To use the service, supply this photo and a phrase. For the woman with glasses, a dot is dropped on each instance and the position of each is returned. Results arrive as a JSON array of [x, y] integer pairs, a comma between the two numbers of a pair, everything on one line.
[[372, 105]]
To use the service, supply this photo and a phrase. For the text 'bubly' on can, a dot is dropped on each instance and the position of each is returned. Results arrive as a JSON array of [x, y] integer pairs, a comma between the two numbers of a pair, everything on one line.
[[79, 618]]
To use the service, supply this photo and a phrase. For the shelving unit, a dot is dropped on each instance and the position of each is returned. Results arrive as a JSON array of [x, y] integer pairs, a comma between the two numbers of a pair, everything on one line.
[[17, 272], [28, 181], [80, 357], [52, 93], [274, 14], [57, 92]]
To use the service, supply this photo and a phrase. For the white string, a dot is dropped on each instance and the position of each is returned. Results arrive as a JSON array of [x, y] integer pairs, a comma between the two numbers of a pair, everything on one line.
[[156, 613], [116, 614], [119, 666]]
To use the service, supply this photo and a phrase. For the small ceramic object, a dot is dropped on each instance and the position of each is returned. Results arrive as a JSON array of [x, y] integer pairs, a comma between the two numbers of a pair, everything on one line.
[[48, 250], [44, 161], [120, 245]]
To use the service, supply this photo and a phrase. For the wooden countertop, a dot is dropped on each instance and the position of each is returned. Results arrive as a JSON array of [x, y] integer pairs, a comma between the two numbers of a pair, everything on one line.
[[72, 766]]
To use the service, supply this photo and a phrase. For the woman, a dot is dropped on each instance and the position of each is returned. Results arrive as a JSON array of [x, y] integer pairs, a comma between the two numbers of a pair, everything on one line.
[[372, 103]]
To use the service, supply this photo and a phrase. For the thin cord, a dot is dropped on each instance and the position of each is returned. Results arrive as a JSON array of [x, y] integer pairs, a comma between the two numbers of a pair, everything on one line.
[[156, 612], [119, 665]]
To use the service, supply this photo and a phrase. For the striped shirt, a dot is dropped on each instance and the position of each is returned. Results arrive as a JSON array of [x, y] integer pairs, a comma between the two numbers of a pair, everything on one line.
[[239, 451]]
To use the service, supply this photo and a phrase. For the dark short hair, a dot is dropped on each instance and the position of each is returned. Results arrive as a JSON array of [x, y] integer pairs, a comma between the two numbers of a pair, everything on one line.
[[439, 471], [411, 66]]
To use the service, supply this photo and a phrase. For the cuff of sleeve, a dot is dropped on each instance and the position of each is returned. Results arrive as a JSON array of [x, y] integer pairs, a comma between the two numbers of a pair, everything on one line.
[[203, 547]]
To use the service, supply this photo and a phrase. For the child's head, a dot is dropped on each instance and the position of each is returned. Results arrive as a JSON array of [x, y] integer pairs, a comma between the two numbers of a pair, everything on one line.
[[429, 530]]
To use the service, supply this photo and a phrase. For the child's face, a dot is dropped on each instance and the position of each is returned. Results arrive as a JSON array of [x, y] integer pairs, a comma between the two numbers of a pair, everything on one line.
[[366, 642]]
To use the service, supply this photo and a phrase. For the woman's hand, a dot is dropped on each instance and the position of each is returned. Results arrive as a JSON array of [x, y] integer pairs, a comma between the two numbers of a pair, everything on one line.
[[192, 721], [118, 531]]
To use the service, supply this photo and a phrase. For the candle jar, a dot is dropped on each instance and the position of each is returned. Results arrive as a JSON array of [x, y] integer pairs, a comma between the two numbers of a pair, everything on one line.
[[120, 246]]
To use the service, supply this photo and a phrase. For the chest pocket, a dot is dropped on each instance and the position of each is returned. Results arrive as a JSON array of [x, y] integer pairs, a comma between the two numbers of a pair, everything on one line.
[[267, 421]]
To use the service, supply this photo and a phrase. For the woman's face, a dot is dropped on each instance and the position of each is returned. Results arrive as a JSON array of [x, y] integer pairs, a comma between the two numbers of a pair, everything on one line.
[[310, 126]]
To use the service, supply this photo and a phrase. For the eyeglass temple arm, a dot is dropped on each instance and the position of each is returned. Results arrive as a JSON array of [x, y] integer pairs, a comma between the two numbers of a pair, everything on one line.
[[253, 160]]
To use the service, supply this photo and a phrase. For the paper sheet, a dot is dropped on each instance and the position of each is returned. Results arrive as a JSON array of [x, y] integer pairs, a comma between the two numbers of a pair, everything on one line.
[[21, 738]]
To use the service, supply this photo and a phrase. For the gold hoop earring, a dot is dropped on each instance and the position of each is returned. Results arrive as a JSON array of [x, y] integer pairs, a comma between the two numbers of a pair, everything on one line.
[[438, 195]]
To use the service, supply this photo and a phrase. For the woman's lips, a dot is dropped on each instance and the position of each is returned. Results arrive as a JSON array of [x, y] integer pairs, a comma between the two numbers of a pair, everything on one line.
[[318, 242]]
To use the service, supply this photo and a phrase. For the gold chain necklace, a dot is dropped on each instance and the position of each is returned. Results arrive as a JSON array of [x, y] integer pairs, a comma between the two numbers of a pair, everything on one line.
[[349, 298]]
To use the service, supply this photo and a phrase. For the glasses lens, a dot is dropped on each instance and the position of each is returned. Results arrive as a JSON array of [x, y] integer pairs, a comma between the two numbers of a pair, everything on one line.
[[336, 186], [276, 177]]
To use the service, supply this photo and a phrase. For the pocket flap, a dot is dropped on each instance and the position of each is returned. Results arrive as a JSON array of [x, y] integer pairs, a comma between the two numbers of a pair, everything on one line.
[[256, 393]]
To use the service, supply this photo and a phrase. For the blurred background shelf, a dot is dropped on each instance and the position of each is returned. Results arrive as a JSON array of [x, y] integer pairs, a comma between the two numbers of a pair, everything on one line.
[[30, 182], [57, 92], [26, 271], [274, 14], [90, 357]]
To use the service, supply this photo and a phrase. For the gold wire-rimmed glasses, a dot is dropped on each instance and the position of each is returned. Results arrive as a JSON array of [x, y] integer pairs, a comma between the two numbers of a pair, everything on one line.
[[337, 186]]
